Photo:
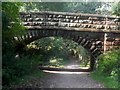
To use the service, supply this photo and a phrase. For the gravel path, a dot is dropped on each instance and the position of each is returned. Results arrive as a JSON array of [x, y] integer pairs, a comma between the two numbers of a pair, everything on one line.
[[61, 79], [70, 81], [55, 80]]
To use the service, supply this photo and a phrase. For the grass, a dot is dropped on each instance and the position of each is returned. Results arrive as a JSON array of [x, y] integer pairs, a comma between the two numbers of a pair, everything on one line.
[[107, 81], [36, 74]]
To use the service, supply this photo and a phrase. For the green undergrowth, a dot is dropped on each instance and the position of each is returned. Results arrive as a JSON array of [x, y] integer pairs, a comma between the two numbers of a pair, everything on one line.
[[35, 74], [16, 68], [57, 62], [25, 79], [107, 81], [108, 69]]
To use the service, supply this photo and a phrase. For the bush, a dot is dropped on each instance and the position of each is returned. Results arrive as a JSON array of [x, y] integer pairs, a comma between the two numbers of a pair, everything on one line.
[[20, 67], [108, 70], [108, 63]]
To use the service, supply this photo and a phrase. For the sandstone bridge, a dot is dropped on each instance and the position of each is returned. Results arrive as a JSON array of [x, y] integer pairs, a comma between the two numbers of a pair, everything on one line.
[[96, 33]]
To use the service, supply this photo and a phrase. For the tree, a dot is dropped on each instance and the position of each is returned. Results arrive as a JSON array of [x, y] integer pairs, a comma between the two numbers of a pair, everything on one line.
[[45, 6], [116, 9], [81, 7], [10, 20], [104, 8], [10, 27]]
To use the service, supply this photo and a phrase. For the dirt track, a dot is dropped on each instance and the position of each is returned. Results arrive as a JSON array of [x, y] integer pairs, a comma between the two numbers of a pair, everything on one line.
[[66, 80], [59, 79]]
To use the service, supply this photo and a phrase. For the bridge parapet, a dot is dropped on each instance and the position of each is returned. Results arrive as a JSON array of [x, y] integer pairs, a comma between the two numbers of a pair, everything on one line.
[[70, 20]]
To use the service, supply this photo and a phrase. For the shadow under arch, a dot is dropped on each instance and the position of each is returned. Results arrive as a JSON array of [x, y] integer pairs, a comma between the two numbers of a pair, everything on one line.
[[33, 35]]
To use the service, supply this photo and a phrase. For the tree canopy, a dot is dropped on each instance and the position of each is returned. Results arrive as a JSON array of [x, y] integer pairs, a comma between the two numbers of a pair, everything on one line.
[[116, 9], [81, 7]]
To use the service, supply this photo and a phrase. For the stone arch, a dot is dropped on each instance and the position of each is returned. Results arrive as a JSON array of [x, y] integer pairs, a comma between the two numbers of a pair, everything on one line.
[[86, 43]]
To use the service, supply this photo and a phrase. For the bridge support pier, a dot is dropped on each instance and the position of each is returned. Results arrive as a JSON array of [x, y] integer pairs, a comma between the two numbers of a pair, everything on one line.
[[92, 63], [105, 39]]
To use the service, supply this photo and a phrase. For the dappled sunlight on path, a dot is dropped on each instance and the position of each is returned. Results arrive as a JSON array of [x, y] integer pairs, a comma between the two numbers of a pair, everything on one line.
[[74, 63]]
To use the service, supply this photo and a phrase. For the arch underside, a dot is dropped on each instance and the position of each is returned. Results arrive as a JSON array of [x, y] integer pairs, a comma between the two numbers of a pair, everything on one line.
[[89, 44]]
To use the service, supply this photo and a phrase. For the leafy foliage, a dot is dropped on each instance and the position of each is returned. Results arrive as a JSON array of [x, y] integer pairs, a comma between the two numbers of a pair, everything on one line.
[[45, 6], [109, 68], [108, 62], [18, 67], [10, 27], [116, 9], [11, 23], [107, 81], [81, 7], [59, 50]]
